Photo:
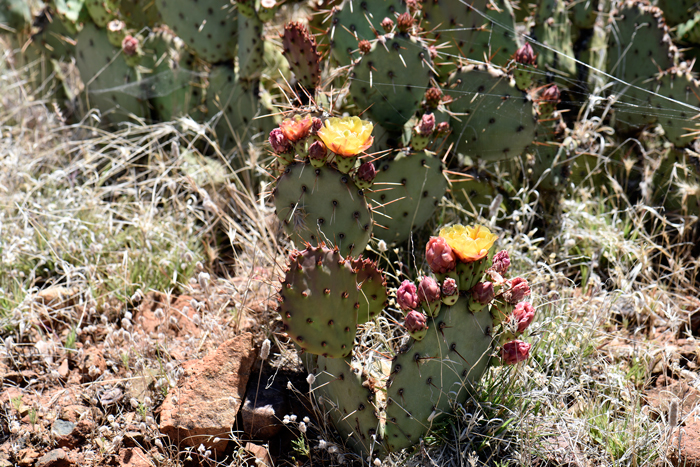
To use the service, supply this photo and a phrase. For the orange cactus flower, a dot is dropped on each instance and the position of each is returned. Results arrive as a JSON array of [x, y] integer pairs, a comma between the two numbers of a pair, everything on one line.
[[469, 243], [347, 136], [296, 128]]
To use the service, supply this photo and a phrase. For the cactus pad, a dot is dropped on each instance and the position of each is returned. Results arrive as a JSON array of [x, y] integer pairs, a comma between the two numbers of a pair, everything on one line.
[[406, 191], [320, 302], [485, 107], [301, 53], [322, 205], [436, 372], [373, 291]]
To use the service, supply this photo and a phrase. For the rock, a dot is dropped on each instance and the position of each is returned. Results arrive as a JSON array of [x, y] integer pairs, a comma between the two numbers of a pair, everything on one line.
[[177, 315], [683, 395], [260, 454], [63, 369], [27, 456], [206, 401], [686, 451], [57, 297], [264, 407], [69, 434], [91, 364], [55, 458], [133, 457]]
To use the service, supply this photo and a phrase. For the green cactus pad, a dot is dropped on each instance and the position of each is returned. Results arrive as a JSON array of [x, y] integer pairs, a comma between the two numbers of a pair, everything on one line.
[[583, 13], [406, 191], [689, 32], [486, 106], [677, 182], [320, 302], [677, 11], [436, 372], [471, 273], [678, 121], [53, 37], [138, 14], [373, 291], [391, 79], [322, 205], [236, 108], [355, 21], [553, 29], [102, 11], [351, 405], [208, 27], [250, 48], [14, 14], [174, 89], [640, 47], [112, 86], [481, 29]]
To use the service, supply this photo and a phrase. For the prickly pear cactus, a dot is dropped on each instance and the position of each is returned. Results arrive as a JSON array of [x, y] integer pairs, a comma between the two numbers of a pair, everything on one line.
[[344, 394], [208, 27], [677, 182], [53, 37], [406, 192], [102, 11], [15, 15], [673, 89], [139, 13], [436, 372], [112, 85], [390, 79], [553, 29], [320, 204], [485, 106], [320, 301], [373, 291]]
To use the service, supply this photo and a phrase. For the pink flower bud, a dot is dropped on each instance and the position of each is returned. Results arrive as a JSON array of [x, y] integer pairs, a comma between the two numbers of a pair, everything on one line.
[[433, 52], [406, 296], [405, 22], [439, 255], [426, 125], [280, 144], [366, 172], [551, 94], [519, 289], [318, 150], [449, 287], [523, 314], [443, 128], [316, 124], [387, 24], [482, 292], [365, 46], [514, 352], [525, 55], [415, 321], [501, 262], [129, 45], [428, 290]]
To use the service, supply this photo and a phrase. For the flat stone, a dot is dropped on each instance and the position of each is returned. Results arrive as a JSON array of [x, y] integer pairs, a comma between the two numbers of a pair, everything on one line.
[[133, 457], [69, 434], [62, 427], [260, 453], [209, 394], [686, 451], [55, 458]]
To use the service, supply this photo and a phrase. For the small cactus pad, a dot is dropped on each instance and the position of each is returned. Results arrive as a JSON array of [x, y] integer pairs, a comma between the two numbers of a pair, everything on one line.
[[436, 372], [300, 50], [355, 21], [640, 47], [343, 393], [373, 291], [553, 30], [208, 27], [250, 47], [406, 192], [390, 80], [320, 302], [485, 107], [322, 205], [112, 85], [139, 13]]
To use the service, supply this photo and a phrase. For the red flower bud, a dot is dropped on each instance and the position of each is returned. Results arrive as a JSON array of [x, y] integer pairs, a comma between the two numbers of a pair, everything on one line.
[[366, 172], [519, 289], [525, 55], [365, 46], [280, 144], [426, 125], [523, 314], [318, 150], [129, 45], [439, 255], [405, 22], [449, 287], [415, 321], [406, 296], [551, 94], [482, 292], [387, 24], [316, 124], [433, 96], [514, 352], [443, 128], [501, 262], [428, 290]]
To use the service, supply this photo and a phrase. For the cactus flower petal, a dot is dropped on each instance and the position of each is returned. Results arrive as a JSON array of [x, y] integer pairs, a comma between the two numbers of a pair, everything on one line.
[[347, 136], [469, 244]]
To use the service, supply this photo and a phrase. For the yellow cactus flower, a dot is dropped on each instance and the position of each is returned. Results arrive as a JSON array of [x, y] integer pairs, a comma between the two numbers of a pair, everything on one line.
[[296, 128], [469, 243], [347, 136]]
